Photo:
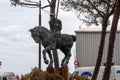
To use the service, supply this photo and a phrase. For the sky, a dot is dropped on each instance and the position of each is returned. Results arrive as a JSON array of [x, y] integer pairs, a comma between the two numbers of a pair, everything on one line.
[[18, 51]]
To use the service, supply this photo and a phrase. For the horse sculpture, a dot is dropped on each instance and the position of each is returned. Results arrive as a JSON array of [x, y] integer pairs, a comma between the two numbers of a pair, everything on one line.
[[64, 42]]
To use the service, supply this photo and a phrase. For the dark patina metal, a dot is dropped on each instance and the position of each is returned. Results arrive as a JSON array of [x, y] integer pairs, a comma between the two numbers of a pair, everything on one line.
[[64, 42]]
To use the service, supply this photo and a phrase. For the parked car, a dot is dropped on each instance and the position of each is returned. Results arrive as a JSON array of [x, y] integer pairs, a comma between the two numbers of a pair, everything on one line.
[[88, 71], [7, 76]]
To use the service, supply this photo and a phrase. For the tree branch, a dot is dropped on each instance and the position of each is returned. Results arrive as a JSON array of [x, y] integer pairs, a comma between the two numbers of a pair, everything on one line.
[[112, 11], [45, 6], [49, 2], [21, 3], [95, 8]]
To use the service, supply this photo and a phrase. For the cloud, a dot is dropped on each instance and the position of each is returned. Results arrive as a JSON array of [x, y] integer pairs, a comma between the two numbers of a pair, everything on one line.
[[11, 34], [13, 37], [17, 49]]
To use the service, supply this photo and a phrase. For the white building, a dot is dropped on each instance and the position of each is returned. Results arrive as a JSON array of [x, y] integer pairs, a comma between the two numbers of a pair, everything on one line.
[[87, 44]]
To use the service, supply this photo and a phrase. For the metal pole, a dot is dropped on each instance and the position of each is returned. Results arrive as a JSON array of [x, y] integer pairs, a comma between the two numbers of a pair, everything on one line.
[[57, 9], [39, 57]]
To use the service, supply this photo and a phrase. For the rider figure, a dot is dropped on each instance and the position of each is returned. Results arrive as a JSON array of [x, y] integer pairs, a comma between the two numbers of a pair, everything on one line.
[[55, 26]]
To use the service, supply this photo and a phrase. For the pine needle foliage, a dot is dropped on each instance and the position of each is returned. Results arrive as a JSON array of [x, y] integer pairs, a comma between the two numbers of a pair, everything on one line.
[[89, 11], [15, 2]]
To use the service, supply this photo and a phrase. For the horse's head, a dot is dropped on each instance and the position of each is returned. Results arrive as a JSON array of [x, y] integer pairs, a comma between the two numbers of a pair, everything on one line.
[[39, 33], [35, 34]]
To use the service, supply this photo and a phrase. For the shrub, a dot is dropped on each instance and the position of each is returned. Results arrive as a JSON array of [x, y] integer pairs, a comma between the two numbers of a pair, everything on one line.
[[37, 74]]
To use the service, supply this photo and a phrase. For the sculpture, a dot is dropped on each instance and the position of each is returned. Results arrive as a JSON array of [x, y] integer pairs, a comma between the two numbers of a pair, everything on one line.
[[64, 42], [55, 25]]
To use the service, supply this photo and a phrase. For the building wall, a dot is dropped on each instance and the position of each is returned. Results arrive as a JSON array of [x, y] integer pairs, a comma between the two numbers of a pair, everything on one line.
[[87, 45]]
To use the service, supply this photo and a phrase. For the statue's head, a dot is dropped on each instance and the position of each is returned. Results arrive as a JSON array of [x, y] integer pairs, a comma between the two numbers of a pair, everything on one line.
[[35, 35]]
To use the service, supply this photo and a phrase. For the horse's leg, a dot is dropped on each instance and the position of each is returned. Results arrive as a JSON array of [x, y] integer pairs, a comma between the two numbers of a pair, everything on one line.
[[51, 59], [68, 58], [67, 54], [63, 60], [44, 54], [44, 57]]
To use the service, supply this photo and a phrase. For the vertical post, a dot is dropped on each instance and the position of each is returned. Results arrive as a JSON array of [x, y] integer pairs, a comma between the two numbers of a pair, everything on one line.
[[56, 60], [39, 57], [55, 54]]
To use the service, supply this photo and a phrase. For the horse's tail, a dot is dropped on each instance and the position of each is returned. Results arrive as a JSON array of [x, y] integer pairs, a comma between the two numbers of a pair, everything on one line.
[[74, 37]]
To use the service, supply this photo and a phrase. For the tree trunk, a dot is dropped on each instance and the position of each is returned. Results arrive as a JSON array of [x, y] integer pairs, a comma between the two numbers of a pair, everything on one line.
[[52, 7], [111, 41], [101, 47], [102, 42], [55, 54]]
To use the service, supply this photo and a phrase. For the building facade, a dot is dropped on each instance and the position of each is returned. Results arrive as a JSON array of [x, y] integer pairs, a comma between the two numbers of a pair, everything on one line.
[[87, 45]]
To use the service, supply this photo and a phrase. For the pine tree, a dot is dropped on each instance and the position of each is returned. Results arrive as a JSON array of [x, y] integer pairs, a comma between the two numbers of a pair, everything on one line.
[[93, 12]]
